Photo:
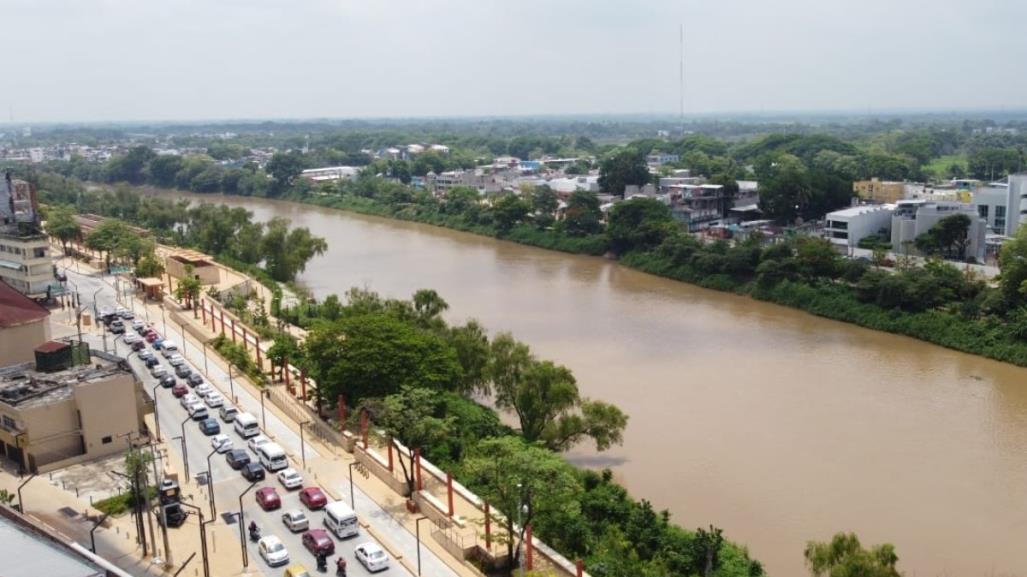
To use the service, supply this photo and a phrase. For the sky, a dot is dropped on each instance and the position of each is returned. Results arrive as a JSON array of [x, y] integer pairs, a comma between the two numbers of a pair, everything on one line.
[[126, 60]]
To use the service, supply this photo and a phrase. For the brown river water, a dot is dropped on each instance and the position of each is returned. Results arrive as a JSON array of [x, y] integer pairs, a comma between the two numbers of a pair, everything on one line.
[[773, 424]]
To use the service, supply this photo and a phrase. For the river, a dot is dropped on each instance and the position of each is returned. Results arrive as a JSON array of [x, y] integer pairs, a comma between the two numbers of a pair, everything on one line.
[[775, 425]]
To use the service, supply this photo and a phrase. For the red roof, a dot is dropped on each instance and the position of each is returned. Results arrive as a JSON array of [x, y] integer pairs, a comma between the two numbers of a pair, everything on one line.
[[51, 347], [17, 309]]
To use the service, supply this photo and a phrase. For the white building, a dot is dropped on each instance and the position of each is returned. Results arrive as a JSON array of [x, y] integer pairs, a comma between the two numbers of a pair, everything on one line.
[[1002, 204], [661, 158], [848, 226], [913, 218], [330, 173]]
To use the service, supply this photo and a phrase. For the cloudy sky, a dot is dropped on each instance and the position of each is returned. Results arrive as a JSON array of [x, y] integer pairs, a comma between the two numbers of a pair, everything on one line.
[[93, 60]]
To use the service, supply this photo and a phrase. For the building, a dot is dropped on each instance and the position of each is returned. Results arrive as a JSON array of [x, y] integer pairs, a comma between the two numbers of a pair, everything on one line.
[[25, 260], [913, 218], [71, 405], [846, 227], [1017, 200], [23, 325], [696, 206], [661, 158], [879, 191], [330, 173], [204, 267], [30, 549], [484, 183]]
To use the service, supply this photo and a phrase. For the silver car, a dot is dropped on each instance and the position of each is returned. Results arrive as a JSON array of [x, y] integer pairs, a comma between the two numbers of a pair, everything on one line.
[[296, 520]]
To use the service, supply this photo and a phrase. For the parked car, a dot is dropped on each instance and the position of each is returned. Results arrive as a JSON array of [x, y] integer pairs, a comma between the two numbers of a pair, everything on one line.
[[158, 371], [125, 314], [273, 551], [175, 359], [189, 399], [314, 498], [372, 557], [198, 412], [183, 371], [168, 348], [268, 498], [222, 442], [146, 354], [179, 390], [204, 390], [152, 337], [214, 400], [151, 361], [157, 343], [210, 426], [296, 520], [131, 339], [167, 381], [290, 478], [175, 514], [237, 458], [117, 327], [253, 472], [138, 345], [317, 542], [195, 380], [256, 442], [228, 413], [138, 326]]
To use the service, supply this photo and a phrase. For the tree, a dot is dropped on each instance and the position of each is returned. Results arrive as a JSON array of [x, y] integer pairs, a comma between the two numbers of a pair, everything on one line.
[[107, 236], [816, 258], [844, 556], [284, 167], [706, 548], [472, 351], [509, 211], [583, 215], [61, 224], [407, 419], [188, 289], [1012, 262], [546, 400], [149, 266], [163, 170], [948, 236], [509, 475], [286, 252], [639, 224], [625, 167]]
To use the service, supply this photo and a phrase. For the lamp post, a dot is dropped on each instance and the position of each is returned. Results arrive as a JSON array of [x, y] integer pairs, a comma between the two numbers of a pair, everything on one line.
[[242, 521], [303, 446], [21, 503], [417, 524], [210, 484], [520, 509], [231, 383], [163, 513], [203, 537], [156, 415], [181, 327], [92, 537], [185, 449], [352, 500]]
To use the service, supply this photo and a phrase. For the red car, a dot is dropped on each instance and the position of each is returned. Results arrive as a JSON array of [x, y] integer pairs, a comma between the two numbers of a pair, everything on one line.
[[268, 498], [313, 498], [152, 336], [317, 541], [179, 390]]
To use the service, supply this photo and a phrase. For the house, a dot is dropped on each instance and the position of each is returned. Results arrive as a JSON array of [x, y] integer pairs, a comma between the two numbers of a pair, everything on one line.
[[846, 227], [23, 325], [441, 149], [696, 206], [438, 184], [879, 191], [25, 261], [330, 173], [204, 267], [71, 405], [912, 218]]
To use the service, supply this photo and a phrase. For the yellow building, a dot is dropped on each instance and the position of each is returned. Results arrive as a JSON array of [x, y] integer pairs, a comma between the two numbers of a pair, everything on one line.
[[23, 326], [55, 413], [879, 191]]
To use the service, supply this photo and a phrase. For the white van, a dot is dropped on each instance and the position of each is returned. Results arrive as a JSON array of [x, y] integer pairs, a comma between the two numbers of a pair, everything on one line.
[[341, 520], [246, 425], [272, 457]]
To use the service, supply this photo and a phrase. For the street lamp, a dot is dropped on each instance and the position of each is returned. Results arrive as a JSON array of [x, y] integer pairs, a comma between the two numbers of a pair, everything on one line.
[[210, 484], [352, 500], [92, 537], [203, 536], [21, 504], [303, 448], [263, 416], [231, 383], [185, 450], [417, 524], [156, 415], [242, 521]]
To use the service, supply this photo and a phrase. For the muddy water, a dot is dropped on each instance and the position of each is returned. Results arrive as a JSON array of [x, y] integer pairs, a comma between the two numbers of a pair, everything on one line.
[[775, 425]]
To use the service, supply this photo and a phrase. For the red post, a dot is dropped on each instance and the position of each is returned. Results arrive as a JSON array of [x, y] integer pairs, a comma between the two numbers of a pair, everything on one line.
[[285, 369], [579, 567], [233, 329], [529, 553], [488, 527], [390, 457], [449, 491], [203, 313], [222, 322], [363, 427], [417, 468], [342, 412], [303, 388]]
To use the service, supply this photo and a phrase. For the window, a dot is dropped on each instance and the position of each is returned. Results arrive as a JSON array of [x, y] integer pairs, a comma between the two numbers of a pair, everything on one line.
[[9, 423], [983, 210], [40, 252], [106, 440], [1000, 212]]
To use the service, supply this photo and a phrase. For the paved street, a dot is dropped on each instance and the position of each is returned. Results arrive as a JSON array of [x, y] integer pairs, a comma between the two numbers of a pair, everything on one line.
[[228, 484]]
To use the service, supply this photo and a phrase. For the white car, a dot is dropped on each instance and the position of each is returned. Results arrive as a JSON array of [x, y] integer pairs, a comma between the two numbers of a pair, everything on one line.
[[203, 390], [273, 551], [176, 360], [189, 399], [372, 557], [223, 443], [158, 371], [214, 400], [290, 478], [257, 441], [168, 348], [197, 406], [296, 520], [131, 339]]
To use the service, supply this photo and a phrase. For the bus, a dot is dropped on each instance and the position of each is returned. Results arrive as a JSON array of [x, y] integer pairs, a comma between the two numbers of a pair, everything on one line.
[[272, 457], [246, 425]]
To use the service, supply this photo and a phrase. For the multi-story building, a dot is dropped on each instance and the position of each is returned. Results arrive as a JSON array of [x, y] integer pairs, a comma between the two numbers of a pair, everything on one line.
[[697, 205], [1002, 204], [23, 325], [70, 406], [25, 260], [879, 191], [913, 218], [661, 158], [484, 183], [848, 226]]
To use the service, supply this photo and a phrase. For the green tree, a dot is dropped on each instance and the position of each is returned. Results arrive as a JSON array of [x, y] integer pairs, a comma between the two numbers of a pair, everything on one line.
[[407, 420], [509, 211], [284, 167], [544, 201], [1012, 264], [61, 224], [948, 236], [107, 236], [149, 266], [510, 475], [816, 258], [583, 215], [624, 167], [188, 289], [163, 170], [471, 344], [844, 556], [286, 252], [639, 224]]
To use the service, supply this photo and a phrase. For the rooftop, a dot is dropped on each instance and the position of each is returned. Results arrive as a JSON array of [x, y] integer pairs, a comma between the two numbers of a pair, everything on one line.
[[17, 309], [30, 553], [858, 210], [189, 255], [23, 386]]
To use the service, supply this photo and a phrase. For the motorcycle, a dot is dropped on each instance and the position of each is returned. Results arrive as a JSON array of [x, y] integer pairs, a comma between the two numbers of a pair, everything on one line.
[[322, 563], [254, 532], [340, 567]]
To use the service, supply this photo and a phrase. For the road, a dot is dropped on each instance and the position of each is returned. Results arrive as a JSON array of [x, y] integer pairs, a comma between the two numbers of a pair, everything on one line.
[[228, 484]]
